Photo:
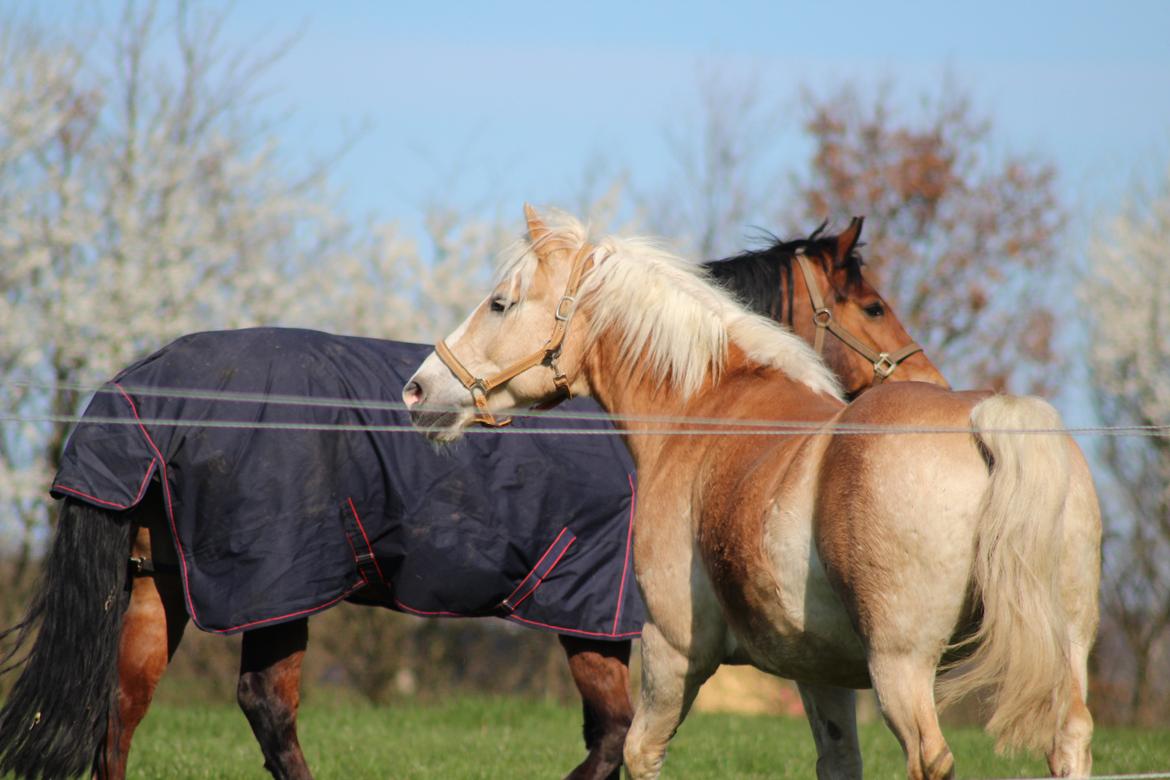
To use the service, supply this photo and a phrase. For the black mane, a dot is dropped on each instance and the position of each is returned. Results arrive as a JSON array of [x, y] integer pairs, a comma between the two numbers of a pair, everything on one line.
[[762, 278]]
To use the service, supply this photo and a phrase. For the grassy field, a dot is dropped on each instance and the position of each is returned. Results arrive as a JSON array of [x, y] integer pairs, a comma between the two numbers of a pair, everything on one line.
[[499, 737]]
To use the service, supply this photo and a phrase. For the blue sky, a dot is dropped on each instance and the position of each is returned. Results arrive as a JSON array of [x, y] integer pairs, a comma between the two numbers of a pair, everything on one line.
[[485, 105], [490, 103]]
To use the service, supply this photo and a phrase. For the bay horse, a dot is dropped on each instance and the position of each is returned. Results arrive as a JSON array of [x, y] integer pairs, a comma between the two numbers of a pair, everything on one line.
[[837, 556], [790, 281]]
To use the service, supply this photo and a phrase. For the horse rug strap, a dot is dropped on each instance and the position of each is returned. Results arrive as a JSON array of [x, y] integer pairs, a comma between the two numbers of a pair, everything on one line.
[[148, 567]]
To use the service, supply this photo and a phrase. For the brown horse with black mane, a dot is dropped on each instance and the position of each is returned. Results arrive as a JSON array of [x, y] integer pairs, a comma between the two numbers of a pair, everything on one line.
[[842, 546], [811, 284], [817, 288]]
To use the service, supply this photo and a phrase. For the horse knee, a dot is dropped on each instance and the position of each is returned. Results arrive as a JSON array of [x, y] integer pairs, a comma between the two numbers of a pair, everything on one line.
[[262, 701], [251, 694]]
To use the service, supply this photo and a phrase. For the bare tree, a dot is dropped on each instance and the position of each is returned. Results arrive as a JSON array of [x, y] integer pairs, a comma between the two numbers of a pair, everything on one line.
[[964, 243], [1127, 300]]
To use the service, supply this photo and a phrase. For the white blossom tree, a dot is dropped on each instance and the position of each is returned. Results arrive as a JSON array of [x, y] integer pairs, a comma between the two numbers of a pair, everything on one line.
[[1127, 299], [143, 195]]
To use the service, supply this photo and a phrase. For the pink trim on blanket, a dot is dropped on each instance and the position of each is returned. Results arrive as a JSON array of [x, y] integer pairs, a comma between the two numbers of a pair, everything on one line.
[[629, 543]]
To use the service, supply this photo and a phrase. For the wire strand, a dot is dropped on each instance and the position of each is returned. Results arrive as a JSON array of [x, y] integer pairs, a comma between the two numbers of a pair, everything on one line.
[[686, 425], [795, 429]]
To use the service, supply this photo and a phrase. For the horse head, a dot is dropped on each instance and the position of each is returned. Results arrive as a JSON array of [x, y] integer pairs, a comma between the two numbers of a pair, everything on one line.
[[518, 347], [817, 286]]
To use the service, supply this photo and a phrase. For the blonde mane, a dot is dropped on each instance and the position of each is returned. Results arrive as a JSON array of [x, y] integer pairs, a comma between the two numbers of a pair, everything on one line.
[[676, 323]]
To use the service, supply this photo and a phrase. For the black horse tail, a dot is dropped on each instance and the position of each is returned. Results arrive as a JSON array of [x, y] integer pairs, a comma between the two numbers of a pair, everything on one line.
[[56, 717]]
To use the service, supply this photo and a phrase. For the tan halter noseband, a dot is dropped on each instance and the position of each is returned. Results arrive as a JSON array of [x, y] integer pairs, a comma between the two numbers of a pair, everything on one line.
[[884, 363], [545, 356]]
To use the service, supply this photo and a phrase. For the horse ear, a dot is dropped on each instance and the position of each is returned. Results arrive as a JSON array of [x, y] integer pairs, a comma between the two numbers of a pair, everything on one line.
[[847, 240], [537, 230]]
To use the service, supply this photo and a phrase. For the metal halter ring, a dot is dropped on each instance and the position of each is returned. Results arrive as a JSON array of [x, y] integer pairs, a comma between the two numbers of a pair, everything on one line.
[[883, 366], [822, 317]]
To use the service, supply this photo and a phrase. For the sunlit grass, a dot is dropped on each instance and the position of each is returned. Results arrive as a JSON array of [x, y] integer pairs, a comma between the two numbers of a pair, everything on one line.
[[474, 737]]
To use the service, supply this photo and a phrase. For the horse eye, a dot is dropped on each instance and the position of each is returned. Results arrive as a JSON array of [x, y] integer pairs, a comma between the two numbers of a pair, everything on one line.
[[874, 310], [499, 304]]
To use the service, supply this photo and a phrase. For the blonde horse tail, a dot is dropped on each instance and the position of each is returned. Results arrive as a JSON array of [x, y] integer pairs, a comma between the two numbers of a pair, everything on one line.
[[1021, 658]]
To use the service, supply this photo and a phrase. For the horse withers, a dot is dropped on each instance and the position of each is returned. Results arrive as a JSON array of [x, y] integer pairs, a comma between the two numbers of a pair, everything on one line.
[[840, 546]]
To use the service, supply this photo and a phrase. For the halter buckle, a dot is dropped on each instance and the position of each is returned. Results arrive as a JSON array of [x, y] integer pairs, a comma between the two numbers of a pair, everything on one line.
[[822, 317], [561, 315], [883, 366]]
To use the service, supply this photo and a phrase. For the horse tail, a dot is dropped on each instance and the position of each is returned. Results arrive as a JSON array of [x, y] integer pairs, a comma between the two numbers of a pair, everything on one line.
[[1021, 656], [56, 716]]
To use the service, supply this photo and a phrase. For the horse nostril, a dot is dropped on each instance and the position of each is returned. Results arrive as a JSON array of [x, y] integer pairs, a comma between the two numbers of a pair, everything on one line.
[[413, 393]]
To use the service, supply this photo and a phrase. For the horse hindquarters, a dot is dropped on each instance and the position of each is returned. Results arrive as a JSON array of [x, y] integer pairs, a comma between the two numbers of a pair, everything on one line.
[[56, 716]]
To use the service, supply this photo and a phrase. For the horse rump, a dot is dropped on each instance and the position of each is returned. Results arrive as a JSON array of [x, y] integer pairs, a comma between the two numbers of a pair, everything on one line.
[[57, 715]]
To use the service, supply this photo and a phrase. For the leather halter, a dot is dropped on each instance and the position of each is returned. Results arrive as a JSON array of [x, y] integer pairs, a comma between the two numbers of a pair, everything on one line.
[[545, 356], [884, 363]]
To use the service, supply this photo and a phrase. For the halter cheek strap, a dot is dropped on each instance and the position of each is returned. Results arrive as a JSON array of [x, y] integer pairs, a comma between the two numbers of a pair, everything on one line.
[[884, 363], [547, 355]]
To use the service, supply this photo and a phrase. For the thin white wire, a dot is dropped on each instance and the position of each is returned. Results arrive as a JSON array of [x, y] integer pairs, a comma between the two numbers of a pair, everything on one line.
[[692, 426], [769, 429]]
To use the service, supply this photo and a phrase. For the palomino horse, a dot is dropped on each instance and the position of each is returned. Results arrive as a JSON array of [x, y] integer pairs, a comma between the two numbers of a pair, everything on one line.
[[791, 281], [837, 556]]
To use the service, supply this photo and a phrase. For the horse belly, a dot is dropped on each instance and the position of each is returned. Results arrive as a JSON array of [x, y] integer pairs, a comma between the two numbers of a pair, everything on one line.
[[799, 628]]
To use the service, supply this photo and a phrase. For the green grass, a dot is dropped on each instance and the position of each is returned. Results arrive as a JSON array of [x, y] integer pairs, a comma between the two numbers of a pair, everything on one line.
[[515, 738]]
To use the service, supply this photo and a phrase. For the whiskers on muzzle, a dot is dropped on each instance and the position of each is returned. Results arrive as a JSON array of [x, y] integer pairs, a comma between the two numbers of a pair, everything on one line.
[[439, 425]]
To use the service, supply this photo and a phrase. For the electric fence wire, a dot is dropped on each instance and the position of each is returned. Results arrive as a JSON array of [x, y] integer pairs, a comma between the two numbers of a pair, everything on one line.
[[656, 425]]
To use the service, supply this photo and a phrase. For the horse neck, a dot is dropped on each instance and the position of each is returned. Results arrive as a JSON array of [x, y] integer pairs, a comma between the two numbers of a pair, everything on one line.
[[770, 395]]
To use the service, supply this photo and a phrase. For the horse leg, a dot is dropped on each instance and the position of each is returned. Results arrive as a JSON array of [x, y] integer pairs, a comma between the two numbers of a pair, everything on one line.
[[832, 714], [152, 628], [601, 671], [1071, 755], [905, 689], [269, 694], [670, 680]]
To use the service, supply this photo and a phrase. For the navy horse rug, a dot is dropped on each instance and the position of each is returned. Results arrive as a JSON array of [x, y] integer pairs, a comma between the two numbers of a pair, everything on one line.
[[292, 480]]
